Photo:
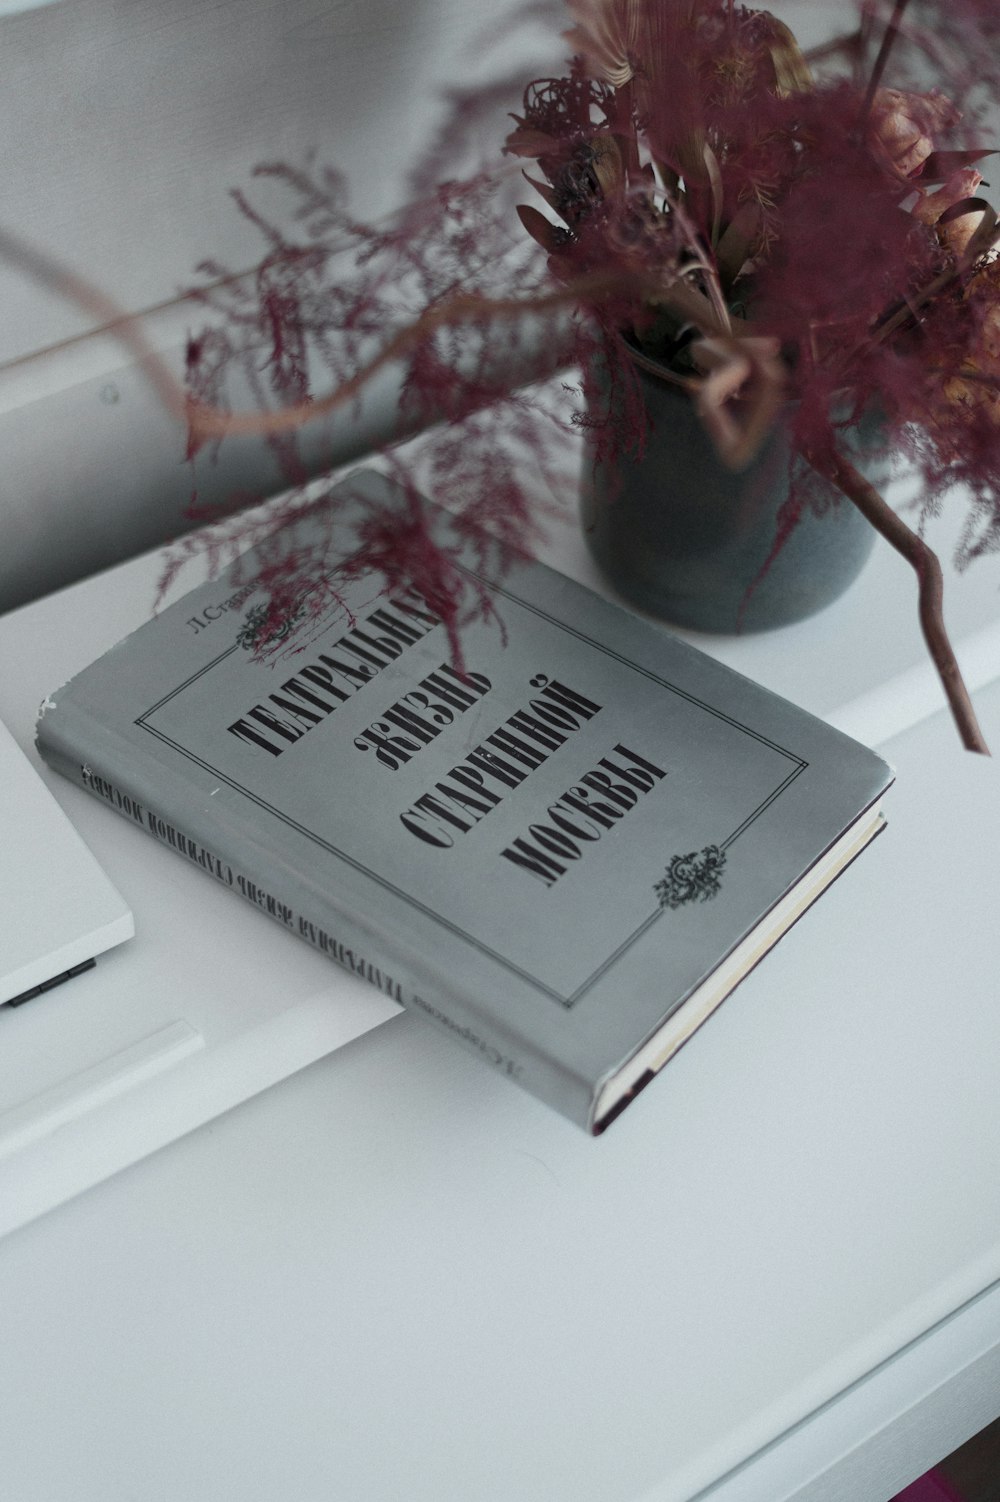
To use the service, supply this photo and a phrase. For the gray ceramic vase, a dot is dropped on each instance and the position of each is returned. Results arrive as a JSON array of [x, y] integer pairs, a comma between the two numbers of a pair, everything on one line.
[[681, 536]]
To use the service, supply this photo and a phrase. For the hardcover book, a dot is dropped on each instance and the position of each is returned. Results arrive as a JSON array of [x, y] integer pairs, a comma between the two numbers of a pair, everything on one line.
[[566, 849]]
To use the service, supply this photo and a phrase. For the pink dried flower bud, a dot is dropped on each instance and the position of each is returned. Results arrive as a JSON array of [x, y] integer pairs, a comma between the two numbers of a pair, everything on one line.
[[929, 208], [903, 127]]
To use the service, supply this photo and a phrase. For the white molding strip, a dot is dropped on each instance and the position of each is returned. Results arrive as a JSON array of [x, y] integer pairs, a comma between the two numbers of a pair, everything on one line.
[[876, 716]]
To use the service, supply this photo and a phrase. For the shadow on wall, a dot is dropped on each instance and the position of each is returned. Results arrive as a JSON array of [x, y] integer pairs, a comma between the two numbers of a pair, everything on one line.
[[95, 473]]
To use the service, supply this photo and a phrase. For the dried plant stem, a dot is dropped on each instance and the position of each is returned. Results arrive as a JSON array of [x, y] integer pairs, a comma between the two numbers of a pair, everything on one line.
[[460, 308], [927, 567], [888, 42], [866, 26], [110, 317], [206, 422]]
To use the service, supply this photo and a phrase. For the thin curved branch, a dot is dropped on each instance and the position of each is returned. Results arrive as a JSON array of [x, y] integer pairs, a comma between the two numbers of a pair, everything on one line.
[[452, 312], [127, 328], [460, 308], [927, 567], [888, 42]]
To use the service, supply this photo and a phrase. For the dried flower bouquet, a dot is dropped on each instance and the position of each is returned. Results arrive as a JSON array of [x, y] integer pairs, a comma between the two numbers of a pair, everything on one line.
[[774, 232], [798, 244]]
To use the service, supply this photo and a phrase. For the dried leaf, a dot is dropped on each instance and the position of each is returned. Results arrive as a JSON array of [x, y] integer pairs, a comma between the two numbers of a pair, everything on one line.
[[525, 142], [968, 205], [608, 165], [737, 242], [715, 185], [940, 165], [543, 189], [548, 235], [987, 234], [691, 157], [791, 71], [669, 178]]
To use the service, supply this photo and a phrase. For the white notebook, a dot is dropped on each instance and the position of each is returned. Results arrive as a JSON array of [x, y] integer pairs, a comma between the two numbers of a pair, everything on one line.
[[204, 1007], [58, 910]]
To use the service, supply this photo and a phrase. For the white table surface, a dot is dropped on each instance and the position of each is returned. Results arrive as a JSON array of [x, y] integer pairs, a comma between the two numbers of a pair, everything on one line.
[[394, 1276]]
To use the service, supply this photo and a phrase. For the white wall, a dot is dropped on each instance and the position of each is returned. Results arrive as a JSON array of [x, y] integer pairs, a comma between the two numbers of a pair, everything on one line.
[[125, 123]]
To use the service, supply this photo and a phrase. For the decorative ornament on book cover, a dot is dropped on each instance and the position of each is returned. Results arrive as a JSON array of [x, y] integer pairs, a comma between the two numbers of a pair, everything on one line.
[[567, 849]]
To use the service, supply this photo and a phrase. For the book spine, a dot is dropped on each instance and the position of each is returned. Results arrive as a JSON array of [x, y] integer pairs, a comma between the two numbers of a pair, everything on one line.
[[83, 752]]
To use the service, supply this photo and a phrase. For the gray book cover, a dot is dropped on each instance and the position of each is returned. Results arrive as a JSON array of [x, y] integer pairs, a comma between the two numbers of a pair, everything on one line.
[[566, 852]]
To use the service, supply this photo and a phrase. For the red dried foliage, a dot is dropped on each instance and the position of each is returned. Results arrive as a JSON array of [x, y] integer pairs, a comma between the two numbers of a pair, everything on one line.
[[766, 237], [303, 324]]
